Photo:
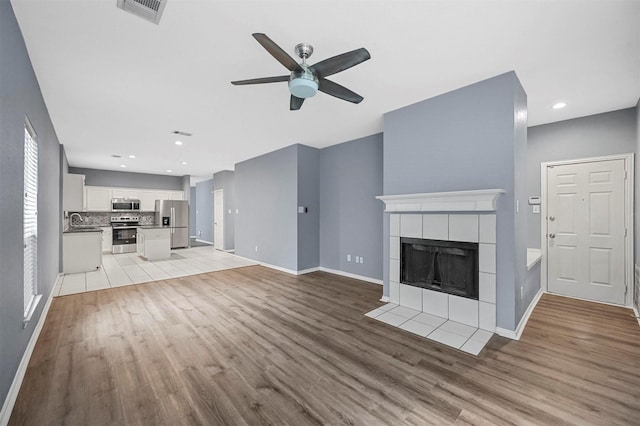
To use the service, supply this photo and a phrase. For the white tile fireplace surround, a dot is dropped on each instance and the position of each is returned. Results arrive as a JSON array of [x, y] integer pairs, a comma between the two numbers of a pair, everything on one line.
[[470, 217]]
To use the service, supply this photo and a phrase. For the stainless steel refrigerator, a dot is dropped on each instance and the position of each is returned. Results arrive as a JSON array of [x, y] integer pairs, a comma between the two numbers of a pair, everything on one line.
[[175, 215]]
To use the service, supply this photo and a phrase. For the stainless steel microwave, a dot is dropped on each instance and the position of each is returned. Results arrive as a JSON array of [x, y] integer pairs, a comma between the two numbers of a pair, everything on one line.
[[124, 205]]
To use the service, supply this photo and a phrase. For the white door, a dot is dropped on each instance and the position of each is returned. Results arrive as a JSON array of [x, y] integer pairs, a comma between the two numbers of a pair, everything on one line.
[[586, 230], [218, 219]]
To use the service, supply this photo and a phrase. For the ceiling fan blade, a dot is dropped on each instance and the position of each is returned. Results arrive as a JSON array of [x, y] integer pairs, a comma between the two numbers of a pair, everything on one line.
[[262, 80], [277, 52], [295, 103], [340, 92], [340, 63]]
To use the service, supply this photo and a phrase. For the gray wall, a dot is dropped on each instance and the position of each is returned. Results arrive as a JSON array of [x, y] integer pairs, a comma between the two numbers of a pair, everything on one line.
[[204, 210], [309, 197], [225, 180], [596, 135], [20, 96], [637, 208], [464, 140], [526, 287], [266, 196], [96, 177], [350, 216], [192, 211]]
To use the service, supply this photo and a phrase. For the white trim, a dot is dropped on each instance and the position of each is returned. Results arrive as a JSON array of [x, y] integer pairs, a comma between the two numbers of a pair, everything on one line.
[[458, 201], [385, 299], [308, 271], [204, 241], [12, 395], [286, 270], [350, 275], [515, 334], [629, 214], [635, 312], [230, 251]]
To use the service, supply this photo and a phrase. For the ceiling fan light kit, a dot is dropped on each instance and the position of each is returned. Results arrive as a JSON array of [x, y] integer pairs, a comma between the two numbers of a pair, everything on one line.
[[305, 81], [303, 85]]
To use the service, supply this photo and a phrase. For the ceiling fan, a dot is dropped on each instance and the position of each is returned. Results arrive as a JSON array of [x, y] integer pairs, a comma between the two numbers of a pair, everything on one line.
[[305, 80]]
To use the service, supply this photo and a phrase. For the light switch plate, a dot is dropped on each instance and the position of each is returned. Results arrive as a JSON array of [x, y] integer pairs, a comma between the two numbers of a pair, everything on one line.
[[536, 209]]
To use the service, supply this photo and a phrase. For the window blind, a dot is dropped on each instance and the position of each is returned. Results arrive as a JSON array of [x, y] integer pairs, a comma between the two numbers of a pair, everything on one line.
[[30, 223]]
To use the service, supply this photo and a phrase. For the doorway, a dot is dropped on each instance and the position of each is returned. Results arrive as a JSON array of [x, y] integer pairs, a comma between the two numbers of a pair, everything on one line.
[[587, 228], [218, 219]]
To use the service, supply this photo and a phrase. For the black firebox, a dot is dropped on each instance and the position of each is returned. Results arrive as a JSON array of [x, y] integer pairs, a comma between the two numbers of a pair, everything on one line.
[[445, 266]]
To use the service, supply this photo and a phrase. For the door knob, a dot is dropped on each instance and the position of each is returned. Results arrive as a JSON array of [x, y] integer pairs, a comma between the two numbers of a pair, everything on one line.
[[552, 218], [552, 235]]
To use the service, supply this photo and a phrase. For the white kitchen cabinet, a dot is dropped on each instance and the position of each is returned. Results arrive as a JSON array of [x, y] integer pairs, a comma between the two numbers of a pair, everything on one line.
[[148, 200], [162, 195], [176, 195], [98, 199], [81, 251], [73, 193], [154, 243], [131, 194], [107, 239]]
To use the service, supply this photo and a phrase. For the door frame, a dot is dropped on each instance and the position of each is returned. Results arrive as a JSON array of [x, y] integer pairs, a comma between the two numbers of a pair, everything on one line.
[[215, 192], [628, 220]]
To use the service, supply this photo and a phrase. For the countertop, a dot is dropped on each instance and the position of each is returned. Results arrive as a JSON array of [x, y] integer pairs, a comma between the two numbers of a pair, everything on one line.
[[534, 255], [76, 229], [153, 227]]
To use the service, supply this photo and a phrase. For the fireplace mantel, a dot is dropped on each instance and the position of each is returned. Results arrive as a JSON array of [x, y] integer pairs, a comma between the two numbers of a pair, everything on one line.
[[482, 200]]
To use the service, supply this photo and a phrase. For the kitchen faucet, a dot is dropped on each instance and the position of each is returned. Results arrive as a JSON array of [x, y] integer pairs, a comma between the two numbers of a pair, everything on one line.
[[75, 214]]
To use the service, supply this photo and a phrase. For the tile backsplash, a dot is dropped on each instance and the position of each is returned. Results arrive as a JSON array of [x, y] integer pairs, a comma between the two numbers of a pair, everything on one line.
[[104, 218]]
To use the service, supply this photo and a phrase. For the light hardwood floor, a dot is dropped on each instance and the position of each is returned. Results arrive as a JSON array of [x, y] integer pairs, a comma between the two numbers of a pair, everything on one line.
[[256, 346]]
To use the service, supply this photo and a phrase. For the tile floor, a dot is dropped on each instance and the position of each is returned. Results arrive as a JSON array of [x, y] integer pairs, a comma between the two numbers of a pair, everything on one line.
[[128, 268], [460, 336]]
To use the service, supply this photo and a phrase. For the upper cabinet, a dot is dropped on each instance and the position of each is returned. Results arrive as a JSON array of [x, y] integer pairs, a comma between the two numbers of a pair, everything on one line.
[[73, 193], [148, 200], [98, 199], [132, 194]]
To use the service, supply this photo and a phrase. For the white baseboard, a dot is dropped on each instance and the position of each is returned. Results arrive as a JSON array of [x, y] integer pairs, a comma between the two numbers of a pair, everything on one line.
[[515, 334], [316, 269], [281, 269], [385, 299], [204, 241], [350, 275], [308, 271], [12, 395], [635, 311]]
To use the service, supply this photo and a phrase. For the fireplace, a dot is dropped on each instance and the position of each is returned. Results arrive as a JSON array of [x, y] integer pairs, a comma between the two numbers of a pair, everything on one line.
[[446, 266]]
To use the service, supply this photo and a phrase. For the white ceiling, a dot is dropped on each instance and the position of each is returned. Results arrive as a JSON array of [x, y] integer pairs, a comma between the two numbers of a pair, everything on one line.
[[116, 84]]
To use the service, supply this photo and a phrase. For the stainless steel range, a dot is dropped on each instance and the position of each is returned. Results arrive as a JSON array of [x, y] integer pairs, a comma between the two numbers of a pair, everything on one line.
[[125, 231]]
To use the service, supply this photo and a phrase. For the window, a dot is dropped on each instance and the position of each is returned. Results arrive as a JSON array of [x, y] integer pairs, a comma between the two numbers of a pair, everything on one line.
[[30, 221]]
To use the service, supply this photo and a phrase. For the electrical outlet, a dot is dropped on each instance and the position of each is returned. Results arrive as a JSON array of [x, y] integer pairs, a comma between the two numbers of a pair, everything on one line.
[[348, 258], [256, 248]]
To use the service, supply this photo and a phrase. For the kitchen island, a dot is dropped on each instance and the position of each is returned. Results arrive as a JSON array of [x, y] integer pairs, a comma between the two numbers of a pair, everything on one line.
[[154, 242], [81, 249]]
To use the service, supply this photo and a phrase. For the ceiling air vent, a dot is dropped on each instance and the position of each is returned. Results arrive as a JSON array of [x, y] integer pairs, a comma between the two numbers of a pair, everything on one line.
[[151, 10]]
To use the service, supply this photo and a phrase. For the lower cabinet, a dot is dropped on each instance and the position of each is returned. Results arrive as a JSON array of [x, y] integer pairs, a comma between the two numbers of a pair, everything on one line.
[[154, 243], [107, 239], [81, 252]]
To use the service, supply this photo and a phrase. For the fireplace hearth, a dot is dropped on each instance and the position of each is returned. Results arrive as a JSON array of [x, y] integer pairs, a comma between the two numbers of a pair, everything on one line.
[[446, 266]]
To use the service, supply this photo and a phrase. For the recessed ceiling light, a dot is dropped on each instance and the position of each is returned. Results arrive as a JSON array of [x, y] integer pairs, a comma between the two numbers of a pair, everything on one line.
[[178, 143], [123, 165], [184, 163], [559, 105], [132, 156], [169, 170]]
